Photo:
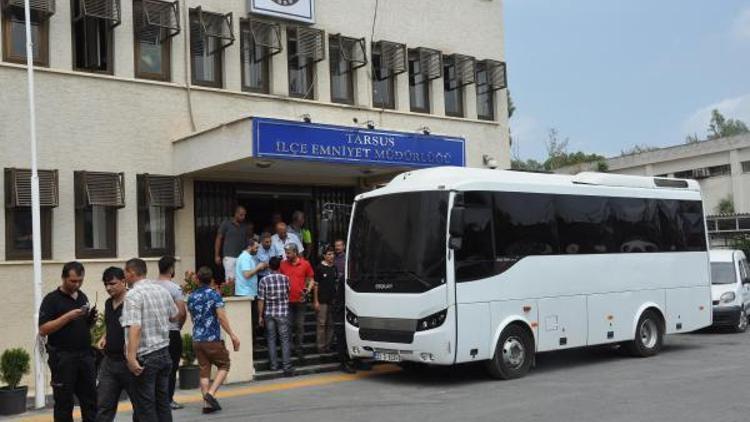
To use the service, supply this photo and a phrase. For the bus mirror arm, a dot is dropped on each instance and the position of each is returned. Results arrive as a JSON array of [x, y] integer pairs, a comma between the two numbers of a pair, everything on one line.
[[456, 228], [455, 243]]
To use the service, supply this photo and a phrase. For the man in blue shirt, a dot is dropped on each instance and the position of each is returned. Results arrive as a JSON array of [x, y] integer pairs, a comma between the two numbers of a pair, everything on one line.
[[265, 253], [207, 312], [246, 277]]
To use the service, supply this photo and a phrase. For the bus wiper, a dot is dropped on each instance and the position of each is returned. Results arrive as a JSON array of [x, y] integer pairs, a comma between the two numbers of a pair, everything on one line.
[[413, 275]]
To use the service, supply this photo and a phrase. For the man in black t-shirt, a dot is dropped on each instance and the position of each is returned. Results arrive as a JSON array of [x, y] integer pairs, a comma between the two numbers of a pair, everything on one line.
[[114, 376], [65, 317], [325, 287]]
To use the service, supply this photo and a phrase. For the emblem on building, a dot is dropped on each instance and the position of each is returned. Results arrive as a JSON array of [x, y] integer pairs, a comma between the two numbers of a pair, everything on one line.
[[285, 2]]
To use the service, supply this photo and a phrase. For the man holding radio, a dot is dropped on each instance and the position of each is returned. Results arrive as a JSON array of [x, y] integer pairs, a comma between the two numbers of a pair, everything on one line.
[[66, 317]]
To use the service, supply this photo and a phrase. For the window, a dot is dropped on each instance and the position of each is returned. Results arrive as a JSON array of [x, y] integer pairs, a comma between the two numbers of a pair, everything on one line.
[[723, 170], [746, 166], [424, 65], [14, 31], [98, 196], [388, 61], [260, 40], [93, 35], [476, 257], [304, 49], [346, 55], [158, 197], [485, 96], [155, 23], [18, 233], [458, 71], [490, 77], [210, 34]]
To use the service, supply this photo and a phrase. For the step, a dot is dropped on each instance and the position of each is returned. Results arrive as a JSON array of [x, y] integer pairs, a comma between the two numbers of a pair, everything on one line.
[[310, 360], [305, 370], [261, 352]]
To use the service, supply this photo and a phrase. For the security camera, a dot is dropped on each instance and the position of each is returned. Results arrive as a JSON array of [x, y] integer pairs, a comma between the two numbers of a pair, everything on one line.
[[490, 162]]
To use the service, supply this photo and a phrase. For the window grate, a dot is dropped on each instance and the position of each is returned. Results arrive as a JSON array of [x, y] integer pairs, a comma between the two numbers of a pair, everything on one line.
[[262, 36], [430, 63], [108, 10], [19, 194], [211, 25], [351, 50], [497, 77], [164, 191], [465, 70], [310, 45], [45, 8], [103, 189], [160, 21], [392, 59]]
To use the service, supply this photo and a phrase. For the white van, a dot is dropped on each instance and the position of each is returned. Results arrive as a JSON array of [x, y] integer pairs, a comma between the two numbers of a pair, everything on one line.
[[730, 288]]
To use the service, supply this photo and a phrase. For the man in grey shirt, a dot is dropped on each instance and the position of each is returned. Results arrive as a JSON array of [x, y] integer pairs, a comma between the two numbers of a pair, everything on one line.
[[166, 274], [231, 240], [146, 316]]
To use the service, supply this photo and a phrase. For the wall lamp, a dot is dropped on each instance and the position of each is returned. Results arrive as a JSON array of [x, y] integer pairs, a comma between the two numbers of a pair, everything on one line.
[[489, 161], [306, 118], [425, 130]]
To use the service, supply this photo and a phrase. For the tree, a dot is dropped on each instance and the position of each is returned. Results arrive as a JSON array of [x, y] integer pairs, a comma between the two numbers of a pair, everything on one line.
[[725, 206], [511, 106], [558, 155], [527, 165], [692, 139], [721, 127]]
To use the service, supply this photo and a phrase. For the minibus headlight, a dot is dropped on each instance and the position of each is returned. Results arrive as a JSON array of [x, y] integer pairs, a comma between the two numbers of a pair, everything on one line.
[[351, 318], [727, 297], [433, 321]]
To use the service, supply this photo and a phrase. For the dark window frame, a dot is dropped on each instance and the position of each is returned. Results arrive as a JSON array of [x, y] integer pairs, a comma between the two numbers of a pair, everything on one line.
[[337, 59], [194, 18], [293, 65], [449, 70], [415, 72], [78, 19], [247, 36], [391, 61], [143, 220], [43, 37], [80, 214], [165, 41], [48, 200], [484, 91]]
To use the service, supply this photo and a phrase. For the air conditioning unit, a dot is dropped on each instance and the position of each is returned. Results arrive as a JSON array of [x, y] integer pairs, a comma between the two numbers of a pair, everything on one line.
[[701, 173]]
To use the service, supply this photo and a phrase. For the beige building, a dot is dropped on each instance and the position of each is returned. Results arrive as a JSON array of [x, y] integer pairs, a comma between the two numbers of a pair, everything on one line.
[[150, 120]]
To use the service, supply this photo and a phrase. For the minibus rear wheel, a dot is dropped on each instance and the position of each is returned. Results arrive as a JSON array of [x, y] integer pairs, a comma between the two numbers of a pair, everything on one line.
[[513, 355], [649, 335]]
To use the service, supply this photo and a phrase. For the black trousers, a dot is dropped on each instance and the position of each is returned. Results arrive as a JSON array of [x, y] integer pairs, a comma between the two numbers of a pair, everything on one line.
[[342, 350], [114, 377], [175, 352], [73, 374]]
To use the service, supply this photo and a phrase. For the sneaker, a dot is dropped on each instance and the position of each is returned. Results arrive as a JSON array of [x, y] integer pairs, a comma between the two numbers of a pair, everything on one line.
[[274, 368], [211, 400], [176, 406], [207, 410]]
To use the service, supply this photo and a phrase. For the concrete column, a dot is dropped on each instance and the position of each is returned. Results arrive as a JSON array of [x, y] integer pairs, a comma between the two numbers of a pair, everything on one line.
[[737, 185], [363, 81], [322, 80], [280, 70], [437, 97], [401, 91], [124, 53], [238, 311], [470, 101], [232, 65], [649, 170]]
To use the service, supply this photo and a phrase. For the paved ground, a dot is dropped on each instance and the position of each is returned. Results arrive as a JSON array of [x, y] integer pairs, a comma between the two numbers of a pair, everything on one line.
[[698, 377]]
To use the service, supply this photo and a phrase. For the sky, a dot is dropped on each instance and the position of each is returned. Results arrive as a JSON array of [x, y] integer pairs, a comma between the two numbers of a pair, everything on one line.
[[611, 74]]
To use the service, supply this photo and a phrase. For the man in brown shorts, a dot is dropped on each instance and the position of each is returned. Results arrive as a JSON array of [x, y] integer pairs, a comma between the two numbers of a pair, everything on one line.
[[207, 311]]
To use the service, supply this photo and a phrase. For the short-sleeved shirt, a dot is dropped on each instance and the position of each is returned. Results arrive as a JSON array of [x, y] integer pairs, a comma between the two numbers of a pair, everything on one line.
[[297, 273], [273, 290], [303, 234], [264, 255], [202, 304], [149, 306], [177, 296], [277, 244], [325, 276], [234, 238], [245, 286], [75, 335], [115, 334], [340, 263]]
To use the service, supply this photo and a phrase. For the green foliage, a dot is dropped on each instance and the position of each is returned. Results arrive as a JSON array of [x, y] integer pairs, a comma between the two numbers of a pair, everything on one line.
[[721, 127], [528, 165], [558, 155], [692, 139], [188, 354], [98, 329], [638, 149], [741, 243], [725, 206], [511, 106], [14, 364]]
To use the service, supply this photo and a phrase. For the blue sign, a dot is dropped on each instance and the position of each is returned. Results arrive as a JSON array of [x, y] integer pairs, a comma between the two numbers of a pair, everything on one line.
[[339, 144]]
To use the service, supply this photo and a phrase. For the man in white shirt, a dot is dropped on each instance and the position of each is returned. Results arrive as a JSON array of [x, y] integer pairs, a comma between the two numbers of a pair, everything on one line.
[[283, 238]]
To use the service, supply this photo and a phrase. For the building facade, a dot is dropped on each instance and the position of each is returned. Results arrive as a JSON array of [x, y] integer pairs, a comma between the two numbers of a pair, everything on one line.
[[155, 118]]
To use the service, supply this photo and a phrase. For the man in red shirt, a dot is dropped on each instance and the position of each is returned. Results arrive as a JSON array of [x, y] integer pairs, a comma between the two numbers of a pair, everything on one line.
[[301, 277]]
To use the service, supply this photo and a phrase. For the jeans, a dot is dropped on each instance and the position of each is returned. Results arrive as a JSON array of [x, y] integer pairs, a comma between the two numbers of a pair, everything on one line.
[[324, 331], [73, 374], [280, 325], [114, 377], [151, 387], [297, 319], [175, 352]]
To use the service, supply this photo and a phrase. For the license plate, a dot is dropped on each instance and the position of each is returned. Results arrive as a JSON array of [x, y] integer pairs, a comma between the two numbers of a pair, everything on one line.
[[387, 357]]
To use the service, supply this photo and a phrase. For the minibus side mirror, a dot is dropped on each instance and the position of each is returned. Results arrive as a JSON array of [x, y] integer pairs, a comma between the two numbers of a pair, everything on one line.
[[746, 280], [456, 228]]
